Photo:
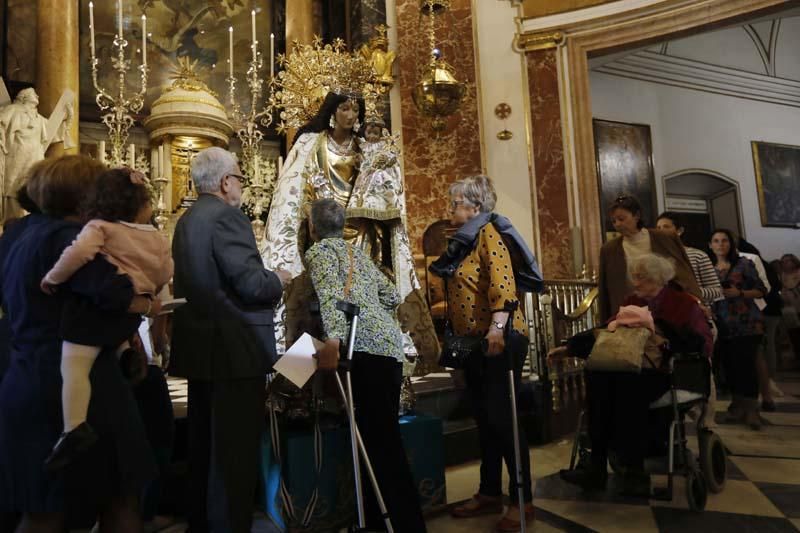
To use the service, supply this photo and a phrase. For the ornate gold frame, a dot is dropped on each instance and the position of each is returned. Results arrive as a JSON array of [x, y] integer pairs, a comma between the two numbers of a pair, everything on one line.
[[615, 32]]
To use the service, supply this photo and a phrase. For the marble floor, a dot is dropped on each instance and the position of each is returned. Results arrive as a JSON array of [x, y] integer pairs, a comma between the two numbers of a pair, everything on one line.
[[762, 492]]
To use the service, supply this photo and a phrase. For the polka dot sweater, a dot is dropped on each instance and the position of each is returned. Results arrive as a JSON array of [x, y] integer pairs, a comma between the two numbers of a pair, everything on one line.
[[482, 284]]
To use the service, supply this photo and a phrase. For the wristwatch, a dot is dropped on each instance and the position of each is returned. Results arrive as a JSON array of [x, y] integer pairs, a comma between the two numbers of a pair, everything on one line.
[[499, 325]]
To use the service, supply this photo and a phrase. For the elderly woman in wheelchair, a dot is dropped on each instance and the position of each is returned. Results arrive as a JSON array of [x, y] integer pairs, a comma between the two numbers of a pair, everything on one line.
[[653, 353]]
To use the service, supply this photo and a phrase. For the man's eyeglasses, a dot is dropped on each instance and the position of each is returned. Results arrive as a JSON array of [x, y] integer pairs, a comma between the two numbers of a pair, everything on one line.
[[239, 177]]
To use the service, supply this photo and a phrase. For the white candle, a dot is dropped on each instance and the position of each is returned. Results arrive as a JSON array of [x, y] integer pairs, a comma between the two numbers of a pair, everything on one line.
[[255, 43], [119, 18], [91, 27], [280, 165], [271, 55], [144, 40], [161, 162], [230, 42], [101, 152], [132, 156]]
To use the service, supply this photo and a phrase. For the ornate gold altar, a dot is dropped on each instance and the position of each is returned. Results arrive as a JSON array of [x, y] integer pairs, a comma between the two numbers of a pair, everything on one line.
[[185, 119]]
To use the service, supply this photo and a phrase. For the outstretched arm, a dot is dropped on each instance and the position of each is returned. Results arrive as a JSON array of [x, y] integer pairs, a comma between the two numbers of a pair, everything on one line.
[[82, 250]]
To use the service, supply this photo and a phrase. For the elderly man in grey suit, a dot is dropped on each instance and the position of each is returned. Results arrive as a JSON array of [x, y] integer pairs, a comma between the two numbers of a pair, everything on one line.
[[223, 342]]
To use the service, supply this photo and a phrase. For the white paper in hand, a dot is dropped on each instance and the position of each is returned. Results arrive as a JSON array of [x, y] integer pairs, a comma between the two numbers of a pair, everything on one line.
[[298, 363]]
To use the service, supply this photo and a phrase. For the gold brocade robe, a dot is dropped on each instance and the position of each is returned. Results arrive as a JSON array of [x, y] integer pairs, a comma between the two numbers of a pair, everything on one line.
[[318, 168]]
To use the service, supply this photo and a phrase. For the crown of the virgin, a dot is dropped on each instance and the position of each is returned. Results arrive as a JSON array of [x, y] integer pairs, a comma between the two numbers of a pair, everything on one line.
[[309, 73]]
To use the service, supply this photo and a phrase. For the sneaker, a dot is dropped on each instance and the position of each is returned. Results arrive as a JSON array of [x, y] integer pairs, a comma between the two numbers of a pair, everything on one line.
[[588, 479], [69, 446], [775, 390], [635, 484]]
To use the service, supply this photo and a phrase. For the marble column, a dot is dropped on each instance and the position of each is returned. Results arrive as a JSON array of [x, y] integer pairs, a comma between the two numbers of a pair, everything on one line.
[[552, 196], [300, 25], [433, 163], [57, 61], [364, 16]]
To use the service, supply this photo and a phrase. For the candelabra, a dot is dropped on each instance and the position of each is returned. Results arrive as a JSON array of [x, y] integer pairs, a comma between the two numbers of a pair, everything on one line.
[[261, 172], [121, 107]]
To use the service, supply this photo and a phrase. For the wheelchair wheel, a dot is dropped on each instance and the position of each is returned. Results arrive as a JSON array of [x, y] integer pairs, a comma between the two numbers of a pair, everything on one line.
[[696, 489], [713, 460]]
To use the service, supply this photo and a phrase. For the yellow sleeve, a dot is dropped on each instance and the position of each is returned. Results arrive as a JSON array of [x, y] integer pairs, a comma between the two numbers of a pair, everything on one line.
[[496, 260]]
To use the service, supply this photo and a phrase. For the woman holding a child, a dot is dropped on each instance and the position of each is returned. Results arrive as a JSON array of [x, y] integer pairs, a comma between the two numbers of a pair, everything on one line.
[[109, 476]]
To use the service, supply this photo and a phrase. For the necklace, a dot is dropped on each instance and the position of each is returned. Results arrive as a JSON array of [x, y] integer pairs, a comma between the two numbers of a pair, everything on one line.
[[341, 149]]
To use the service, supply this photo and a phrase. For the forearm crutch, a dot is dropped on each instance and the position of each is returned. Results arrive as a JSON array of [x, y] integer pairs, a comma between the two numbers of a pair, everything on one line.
[[356, 444], [511, 307]]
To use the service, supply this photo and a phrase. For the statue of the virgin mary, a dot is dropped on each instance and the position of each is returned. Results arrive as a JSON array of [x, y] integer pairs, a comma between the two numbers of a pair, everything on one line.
[[324, 162]]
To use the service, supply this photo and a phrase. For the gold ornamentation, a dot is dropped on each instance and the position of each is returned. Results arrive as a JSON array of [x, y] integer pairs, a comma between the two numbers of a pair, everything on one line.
[[503, 111], [185, 77], [540, 41], [185, 100], [310, 73], [437, 93], [377, 54]]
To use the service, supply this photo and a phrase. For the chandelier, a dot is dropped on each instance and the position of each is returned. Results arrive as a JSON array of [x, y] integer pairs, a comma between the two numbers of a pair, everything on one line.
[[437, 94]]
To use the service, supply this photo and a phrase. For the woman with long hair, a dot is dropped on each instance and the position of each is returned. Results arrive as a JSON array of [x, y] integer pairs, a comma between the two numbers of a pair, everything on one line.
[[740, 324]]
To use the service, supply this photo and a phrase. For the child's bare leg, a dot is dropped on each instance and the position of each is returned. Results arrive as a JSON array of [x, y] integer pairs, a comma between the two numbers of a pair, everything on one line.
[[76, 363]]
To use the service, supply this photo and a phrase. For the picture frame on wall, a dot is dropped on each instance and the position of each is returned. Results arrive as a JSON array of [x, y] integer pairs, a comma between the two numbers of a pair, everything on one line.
[[624, 158], [777, 169]]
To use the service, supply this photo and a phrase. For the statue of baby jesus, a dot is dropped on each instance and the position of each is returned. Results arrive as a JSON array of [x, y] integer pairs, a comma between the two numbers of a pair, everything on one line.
[[379, 185]]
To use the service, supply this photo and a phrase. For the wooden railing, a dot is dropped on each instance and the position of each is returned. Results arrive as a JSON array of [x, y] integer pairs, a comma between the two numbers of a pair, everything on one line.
[[565, 308]]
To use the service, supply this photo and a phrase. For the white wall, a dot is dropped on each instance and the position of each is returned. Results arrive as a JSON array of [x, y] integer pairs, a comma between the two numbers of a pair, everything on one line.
[[501, 80], [694, 129]]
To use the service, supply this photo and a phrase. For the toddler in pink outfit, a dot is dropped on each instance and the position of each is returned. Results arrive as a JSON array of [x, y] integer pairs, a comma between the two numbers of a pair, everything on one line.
[[120, 229]]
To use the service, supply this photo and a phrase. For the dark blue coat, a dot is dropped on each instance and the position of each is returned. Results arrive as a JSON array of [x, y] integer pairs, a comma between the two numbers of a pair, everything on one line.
[[30, 390]]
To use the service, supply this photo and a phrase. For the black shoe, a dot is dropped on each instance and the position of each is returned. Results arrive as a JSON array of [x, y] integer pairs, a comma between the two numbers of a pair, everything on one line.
[[635, 484], [768, 406], [69, 446], [588, 479]]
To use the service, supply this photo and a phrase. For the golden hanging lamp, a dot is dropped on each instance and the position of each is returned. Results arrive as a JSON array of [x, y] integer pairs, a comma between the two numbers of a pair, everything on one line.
[[437, 94]]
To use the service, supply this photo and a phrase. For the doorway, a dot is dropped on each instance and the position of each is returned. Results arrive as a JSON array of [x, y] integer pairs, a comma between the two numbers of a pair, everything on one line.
[[703, 200]]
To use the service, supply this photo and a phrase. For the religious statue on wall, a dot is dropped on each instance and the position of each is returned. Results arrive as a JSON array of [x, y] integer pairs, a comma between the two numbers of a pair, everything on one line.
[[25, 136], [331, 159]]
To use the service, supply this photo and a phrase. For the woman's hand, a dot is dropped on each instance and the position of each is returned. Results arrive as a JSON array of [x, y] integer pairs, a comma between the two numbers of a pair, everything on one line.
[[731, 292], [557, 353], [497, 342], [328, 355]]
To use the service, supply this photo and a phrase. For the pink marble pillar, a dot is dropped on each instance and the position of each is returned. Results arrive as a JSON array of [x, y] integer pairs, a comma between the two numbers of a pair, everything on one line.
[[552, 218], [432, 164]]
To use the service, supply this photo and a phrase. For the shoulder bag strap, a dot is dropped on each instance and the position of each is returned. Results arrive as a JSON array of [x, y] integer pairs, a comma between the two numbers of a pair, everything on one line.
[[349, 281]]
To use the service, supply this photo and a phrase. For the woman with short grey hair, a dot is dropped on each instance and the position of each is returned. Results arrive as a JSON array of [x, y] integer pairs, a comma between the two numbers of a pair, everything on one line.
[[340, 270], [481, 283], [659, 269], [476, 191]]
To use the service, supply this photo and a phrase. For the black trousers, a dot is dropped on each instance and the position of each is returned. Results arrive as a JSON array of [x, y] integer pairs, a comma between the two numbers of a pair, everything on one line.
[[739, 361], [618, 406], [226, 421], [489, 394], [376, 396]]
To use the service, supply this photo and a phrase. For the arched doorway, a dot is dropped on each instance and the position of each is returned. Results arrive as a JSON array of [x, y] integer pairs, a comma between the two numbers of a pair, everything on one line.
[[704, 199]]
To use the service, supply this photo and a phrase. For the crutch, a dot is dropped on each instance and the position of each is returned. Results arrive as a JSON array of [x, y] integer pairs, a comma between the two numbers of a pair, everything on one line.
[[352, 311], [511, 308]]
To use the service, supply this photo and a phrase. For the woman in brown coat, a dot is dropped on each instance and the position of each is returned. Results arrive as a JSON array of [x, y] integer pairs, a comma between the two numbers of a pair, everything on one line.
[[636, 241]]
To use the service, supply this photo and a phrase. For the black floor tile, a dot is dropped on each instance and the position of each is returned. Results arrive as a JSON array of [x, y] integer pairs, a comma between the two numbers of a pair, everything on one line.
[[785, 497], [681, 521], [554, 488]]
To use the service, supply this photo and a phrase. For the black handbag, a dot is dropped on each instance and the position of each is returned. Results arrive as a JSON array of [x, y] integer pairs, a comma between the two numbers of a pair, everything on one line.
[[458, 349]]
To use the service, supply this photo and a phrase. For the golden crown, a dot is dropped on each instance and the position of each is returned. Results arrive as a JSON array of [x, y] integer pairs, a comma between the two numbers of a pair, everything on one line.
[[309, 74]]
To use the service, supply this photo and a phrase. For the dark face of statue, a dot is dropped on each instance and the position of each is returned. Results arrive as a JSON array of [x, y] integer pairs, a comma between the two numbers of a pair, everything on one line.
[[346, 114]]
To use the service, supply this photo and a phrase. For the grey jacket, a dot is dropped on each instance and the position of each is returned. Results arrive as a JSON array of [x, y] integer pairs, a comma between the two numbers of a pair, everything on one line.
[[225, 331]]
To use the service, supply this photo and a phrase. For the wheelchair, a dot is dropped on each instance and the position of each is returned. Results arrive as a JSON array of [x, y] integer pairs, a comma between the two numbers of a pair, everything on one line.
[[690, 382]]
